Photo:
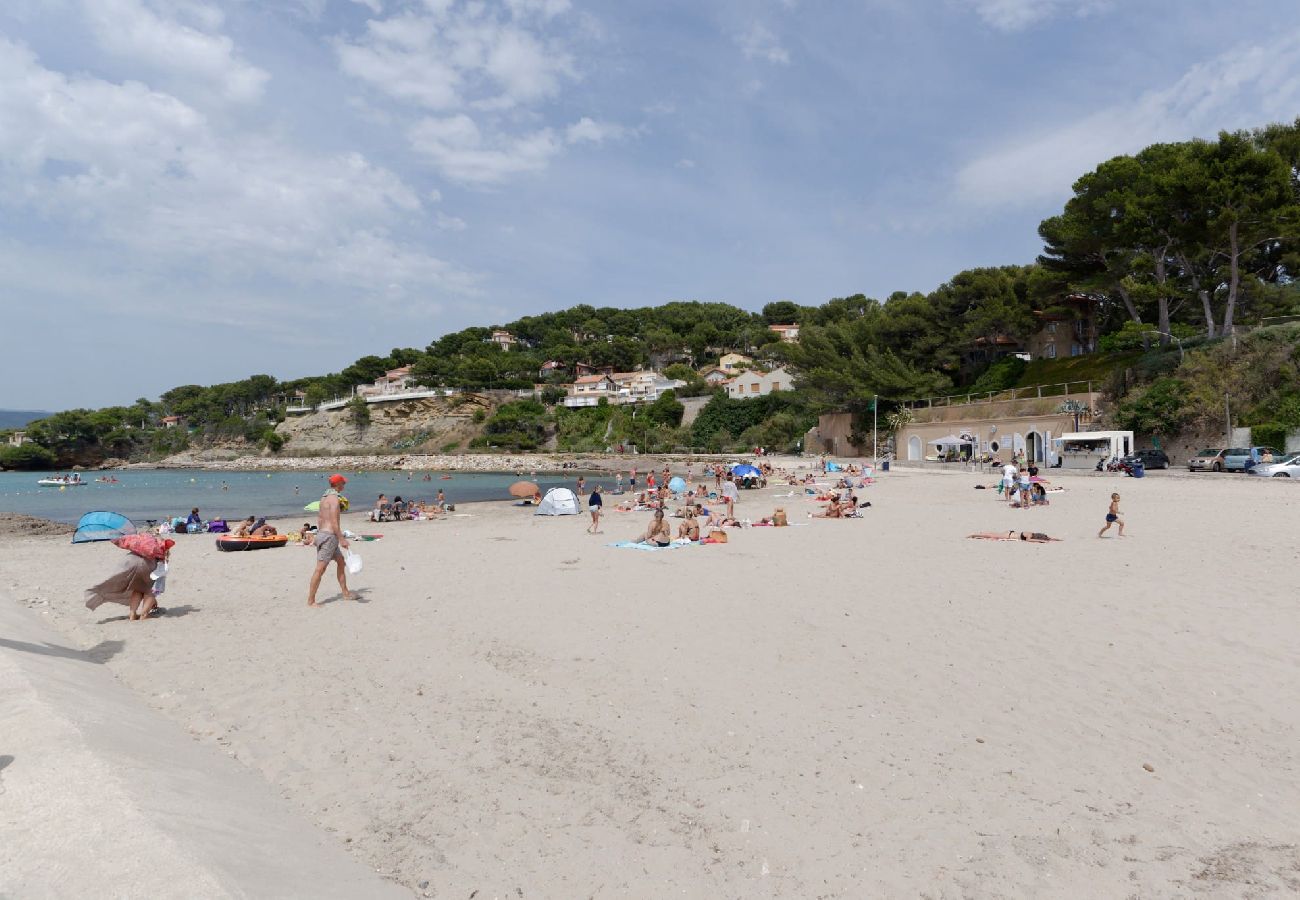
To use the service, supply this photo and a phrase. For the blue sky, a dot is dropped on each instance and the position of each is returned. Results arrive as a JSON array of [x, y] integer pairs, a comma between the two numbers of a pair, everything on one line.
[[196, 191]]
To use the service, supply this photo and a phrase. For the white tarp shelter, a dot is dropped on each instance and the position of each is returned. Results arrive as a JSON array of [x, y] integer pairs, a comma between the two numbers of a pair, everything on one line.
[[558, 502]]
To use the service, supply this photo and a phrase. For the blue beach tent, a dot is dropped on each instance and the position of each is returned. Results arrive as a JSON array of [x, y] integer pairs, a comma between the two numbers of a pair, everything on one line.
[[102, 526], [745, 471], [677, 485]]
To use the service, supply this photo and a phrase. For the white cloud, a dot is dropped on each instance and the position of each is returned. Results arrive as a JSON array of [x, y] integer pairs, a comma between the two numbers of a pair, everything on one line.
[[758, 42], [375, 6], [1016, 15], [130, 167], [686, 164], [1245, 87], [133, 31], [547, 9], [587, 130], [456, 147], [450, 223], [453, 56], [397, 57]]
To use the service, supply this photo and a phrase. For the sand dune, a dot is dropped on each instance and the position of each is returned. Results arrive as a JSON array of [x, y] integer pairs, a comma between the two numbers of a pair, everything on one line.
[[837, 709]]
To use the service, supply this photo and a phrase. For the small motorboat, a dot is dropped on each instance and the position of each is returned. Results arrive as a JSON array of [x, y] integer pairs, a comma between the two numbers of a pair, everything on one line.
[[230, 543], [73, 480]]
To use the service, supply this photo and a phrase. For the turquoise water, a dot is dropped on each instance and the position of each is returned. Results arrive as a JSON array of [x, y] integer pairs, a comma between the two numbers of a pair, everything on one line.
[[161, 493]]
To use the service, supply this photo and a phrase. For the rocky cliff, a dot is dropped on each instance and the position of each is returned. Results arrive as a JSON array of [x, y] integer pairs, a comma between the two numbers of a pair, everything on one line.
[[430, 425]]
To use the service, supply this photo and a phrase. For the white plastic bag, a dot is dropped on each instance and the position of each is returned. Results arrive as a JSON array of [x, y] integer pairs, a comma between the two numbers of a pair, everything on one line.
[[352, 562]]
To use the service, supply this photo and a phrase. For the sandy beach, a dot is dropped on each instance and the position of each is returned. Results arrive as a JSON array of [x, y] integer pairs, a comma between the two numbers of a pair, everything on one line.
[[864, 708]]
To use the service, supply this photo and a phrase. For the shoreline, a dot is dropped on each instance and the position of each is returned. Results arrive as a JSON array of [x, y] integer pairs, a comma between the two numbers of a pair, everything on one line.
[[547, 463]]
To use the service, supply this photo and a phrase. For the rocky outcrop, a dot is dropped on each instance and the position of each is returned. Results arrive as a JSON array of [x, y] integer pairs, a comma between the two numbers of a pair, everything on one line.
[[434, 424]]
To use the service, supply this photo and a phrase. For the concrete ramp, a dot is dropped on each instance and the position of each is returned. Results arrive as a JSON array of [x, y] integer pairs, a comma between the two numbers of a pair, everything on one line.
[[100, 796]]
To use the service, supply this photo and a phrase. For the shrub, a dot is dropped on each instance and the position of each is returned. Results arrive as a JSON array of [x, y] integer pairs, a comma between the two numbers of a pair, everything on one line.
[[1001, 376], [1271, 434], [359, 412], [273, 440], [1158, 408], [28, 456]]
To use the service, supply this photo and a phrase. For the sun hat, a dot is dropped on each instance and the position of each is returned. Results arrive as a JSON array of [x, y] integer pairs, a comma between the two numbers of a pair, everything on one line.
[[336, 480]]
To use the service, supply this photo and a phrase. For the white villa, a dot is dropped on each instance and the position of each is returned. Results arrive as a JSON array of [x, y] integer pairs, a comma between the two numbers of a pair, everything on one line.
[[644, 386], [748, 385], [394, 381], [589, 390], [787, 333], [503, 339]]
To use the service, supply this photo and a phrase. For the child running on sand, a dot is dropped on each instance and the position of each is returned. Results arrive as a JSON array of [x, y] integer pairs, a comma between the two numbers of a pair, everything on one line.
[[1112, 517]]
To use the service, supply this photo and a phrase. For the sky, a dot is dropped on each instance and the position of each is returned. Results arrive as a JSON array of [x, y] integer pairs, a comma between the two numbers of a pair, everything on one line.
[[195, 191]]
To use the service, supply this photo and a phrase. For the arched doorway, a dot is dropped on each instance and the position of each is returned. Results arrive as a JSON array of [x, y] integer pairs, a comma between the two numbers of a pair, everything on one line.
[[1034, 447], [914, 448]]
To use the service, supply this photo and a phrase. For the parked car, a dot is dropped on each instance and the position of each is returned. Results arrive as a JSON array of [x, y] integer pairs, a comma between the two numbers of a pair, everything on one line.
[[1150, 459], [1208, 460], [1243, 459], [1284, 467]]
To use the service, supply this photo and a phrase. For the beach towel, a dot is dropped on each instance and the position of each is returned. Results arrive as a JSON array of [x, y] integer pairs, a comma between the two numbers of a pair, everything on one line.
[[145, 545], [633, 545]]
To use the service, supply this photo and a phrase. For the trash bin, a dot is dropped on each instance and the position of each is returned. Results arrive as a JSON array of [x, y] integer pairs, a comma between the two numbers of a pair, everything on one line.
[[1138, 470], [884, 465]]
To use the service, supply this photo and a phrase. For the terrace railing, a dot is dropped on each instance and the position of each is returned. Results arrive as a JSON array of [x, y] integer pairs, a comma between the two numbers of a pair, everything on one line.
[[1037, 391]]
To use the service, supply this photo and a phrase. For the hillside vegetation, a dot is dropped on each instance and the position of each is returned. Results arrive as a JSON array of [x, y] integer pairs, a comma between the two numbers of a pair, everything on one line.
[[1176, 246]]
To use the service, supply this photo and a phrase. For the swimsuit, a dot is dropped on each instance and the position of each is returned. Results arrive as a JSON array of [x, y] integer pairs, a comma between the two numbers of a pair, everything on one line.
[[1111, 517]]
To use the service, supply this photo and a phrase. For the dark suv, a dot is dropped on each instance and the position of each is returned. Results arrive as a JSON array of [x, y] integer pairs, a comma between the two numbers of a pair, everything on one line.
[[1150, 459]]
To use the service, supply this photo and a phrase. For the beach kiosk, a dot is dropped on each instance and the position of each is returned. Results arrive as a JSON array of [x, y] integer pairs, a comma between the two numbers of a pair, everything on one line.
[[1084, 449]]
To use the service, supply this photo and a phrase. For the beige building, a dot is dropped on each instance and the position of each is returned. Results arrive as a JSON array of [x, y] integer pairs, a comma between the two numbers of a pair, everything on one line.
[[734, 362], [787, 333], [394, 381], [1001, 426], [748, 385], [589, 390]]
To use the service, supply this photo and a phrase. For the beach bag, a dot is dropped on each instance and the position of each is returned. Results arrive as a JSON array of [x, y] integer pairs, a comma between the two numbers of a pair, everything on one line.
[[352, 561], [717, 537], [779, 517], [148, 546]]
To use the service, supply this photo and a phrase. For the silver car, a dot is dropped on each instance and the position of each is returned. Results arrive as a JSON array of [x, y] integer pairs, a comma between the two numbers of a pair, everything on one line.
[[1283, 467]]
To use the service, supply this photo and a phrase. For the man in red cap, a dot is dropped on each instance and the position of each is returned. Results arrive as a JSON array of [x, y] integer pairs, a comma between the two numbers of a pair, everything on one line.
[[330, 542]]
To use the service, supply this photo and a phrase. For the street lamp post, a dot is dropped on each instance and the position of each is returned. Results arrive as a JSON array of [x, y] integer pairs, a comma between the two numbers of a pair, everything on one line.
[[875, 402]]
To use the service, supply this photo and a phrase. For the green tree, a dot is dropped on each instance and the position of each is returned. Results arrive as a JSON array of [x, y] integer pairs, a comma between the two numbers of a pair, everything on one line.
[[358, 411], [28, 456], [666, 410]]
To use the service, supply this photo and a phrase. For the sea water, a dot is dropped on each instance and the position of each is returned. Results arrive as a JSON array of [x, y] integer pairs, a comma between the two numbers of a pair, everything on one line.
[[143, 494]]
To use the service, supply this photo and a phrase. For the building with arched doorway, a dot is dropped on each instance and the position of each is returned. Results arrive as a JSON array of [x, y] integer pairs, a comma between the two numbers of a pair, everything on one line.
[[1012, 423]]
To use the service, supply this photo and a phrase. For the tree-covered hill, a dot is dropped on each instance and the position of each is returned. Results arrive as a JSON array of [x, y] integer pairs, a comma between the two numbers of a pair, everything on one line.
[[1182, 242]]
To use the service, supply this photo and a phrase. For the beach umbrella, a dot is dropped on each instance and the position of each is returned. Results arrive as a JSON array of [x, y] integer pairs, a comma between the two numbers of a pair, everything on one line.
[[677, 485], [951, 440], [523, 489], [745, 470]]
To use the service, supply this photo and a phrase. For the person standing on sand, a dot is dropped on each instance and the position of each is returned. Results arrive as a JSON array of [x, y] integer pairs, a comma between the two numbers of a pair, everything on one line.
[[330, 542], [1112, 517], [1008, 481], [594, 505], [730, 495]]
